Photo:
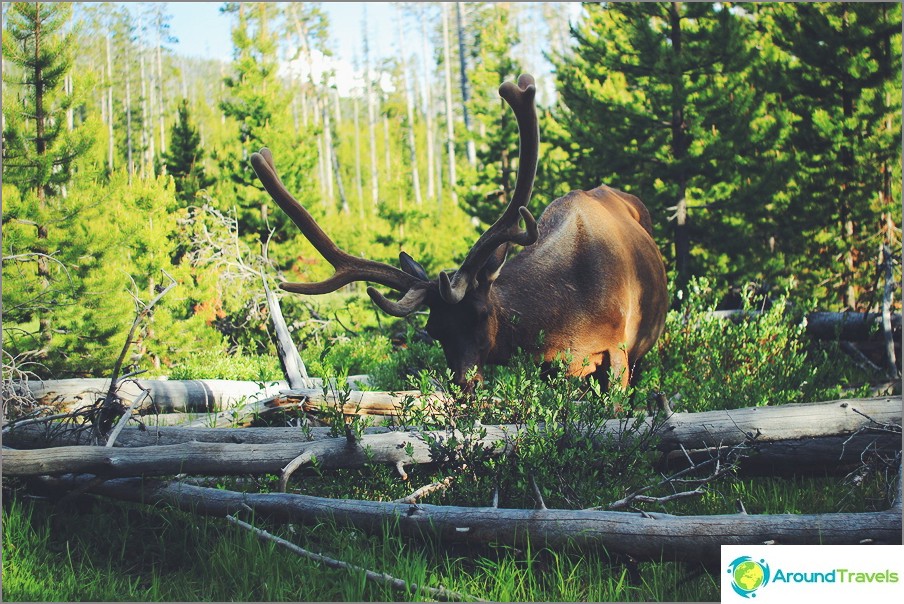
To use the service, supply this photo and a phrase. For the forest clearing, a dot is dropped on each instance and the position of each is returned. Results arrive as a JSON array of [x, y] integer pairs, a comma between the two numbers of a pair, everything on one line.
[[452, 332]]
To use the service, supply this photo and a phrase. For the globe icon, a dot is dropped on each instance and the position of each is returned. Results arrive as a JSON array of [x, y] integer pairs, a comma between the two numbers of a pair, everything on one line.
[[749, 575]]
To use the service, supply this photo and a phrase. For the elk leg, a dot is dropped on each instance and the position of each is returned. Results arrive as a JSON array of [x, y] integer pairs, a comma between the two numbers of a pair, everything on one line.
[[617, 362]]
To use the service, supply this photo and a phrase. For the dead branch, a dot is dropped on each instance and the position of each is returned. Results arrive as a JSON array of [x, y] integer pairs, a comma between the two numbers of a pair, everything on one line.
[[440, 593], [706, 430], [291, 362], [111, 402], [440, 485], [648, 536]]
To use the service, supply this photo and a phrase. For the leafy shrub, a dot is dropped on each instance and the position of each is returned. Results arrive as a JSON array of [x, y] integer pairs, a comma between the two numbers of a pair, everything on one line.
[[218, 365], [705, 362]]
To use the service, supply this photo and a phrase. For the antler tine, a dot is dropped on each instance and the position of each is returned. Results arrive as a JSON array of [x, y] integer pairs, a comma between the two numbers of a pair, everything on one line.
[[348, 268], [520, 98]]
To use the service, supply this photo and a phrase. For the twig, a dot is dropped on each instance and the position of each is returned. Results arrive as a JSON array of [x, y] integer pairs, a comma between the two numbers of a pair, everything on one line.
[[541, 505], [860, 359], [290, 469], [126, 417], [35, 420], [627, 501], [440, 593], [140, 315], [425, 490]]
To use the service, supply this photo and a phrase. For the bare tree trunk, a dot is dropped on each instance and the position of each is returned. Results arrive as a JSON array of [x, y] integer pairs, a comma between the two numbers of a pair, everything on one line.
[[147, 138], [387, 145], [450, 128], [358, 180], [330, 143], [111, 144], [428, 108], [337, 109], [327, 147], [642, 536], [130, 159], [465, 92], [409, 105], [371, 118], [160, 100]]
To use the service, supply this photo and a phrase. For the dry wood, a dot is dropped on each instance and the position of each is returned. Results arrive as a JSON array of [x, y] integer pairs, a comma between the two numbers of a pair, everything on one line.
[[289, 358], [648, 536], [823, 455], [219, 458], [440, 593], [35, 437], [688, 430], [167, 395]]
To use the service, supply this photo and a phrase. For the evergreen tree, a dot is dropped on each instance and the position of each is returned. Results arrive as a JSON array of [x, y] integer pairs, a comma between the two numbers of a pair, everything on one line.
[[485, 189], [664, 100], [841, 73], [184, 158], [38, 150], [253, 94]]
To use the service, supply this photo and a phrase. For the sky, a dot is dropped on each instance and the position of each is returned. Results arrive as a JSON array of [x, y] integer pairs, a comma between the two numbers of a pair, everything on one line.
[[213, 39], [202, 31]]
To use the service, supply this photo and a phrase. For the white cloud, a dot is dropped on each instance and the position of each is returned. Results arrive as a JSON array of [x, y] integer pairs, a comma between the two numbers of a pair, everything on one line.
[[344, 76]]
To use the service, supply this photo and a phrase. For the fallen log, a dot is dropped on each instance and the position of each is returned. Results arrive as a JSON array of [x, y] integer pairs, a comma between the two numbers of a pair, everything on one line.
[[854, 326], [37, 437], [820, 455], [681, 430], [646, 536], [825, 455], [168, 396]]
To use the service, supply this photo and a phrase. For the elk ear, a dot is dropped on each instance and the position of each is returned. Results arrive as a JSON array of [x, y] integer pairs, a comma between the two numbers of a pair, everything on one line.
[[412, 267], [493, 266]]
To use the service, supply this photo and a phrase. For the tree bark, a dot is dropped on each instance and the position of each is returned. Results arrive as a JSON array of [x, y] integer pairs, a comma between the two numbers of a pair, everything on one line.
[[646, 536], [826, 455], [681, 431], [293, 367], [450, 128], [186, 396], [428, 108], [412, 141], [463, 80]]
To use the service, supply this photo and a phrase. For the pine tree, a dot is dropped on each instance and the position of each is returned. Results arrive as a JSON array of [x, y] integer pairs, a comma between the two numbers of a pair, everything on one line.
[[38, 150], [253, 95], [185, 157], [485, 189], [842, 80], [664, 101]]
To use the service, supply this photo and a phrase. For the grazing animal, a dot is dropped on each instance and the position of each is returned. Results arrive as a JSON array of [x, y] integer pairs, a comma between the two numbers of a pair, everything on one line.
[[590, 279]]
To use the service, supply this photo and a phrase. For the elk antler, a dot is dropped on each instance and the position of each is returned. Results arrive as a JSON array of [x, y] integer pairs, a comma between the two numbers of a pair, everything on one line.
[[348, 268], [520, 98]]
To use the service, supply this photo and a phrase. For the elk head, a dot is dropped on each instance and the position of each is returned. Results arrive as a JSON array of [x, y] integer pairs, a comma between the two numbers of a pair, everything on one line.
[[462, 316]]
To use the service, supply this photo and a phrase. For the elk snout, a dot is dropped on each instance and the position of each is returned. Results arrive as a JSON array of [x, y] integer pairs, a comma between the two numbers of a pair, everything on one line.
[[467, 379]]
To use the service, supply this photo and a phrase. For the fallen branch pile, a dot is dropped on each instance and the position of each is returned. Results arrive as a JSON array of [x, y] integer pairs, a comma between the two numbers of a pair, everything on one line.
[[644, 536], [844, 430]]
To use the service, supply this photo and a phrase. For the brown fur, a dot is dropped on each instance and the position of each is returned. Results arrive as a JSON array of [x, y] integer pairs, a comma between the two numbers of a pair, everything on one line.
[[593, 284]]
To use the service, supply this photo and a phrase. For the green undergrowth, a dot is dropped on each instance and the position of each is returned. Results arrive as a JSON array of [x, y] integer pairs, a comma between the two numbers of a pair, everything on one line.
[[96, 549]]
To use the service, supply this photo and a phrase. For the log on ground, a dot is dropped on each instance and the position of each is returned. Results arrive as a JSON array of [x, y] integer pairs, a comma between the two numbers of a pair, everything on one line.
[[186, 396], [690, 431], [649, 536]]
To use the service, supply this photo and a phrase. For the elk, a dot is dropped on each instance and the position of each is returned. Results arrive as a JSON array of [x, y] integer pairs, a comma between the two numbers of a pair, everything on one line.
[[590, 280]]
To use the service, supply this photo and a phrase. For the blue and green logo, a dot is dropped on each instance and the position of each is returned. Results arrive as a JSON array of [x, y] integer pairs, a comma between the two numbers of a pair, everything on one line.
[[748, 575]]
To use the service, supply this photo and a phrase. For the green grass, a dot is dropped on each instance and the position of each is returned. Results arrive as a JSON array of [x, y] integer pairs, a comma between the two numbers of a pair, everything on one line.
[[101, 550], [124, 552]]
